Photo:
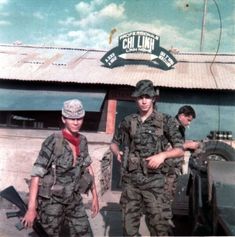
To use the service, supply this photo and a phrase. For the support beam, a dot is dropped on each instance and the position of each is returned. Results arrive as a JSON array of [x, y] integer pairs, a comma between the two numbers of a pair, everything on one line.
[[111, 116]]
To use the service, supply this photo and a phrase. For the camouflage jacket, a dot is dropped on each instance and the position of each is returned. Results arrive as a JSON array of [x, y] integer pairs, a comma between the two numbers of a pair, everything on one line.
[[151, 136], [66, 172], [181, 128]]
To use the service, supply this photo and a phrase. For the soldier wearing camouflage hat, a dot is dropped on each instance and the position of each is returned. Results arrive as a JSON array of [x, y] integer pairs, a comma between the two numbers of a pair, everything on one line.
[[139, 144], [55, 189]]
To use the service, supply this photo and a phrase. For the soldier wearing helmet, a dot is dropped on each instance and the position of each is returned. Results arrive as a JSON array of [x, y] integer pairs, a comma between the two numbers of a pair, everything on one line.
[[139, 143]]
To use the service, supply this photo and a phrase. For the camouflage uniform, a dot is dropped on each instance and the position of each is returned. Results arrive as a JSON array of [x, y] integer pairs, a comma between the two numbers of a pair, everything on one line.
[[143, 188], [173, 169], [68, 208]]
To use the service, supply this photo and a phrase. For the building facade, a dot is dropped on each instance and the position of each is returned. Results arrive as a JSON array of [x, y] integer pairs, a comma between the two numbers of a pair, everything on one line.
[[34, 82]]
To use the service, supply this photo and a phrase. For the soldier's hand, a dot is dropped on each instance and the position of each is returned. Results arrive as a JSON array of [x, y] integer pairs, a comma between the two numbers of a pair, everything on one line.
[[119, 156], [95, 206], [29, 218], [153, 162], [191, 145]]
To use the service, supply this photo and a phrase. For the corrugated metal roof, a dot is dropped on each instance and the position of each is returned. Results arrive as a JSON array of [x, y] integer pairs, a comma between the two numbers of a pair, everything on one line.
[[193, 70]]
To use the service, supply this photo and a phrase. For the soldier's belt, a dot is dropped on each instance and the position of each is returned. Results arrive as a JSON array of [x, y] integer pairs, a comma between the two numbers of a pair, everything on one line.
[[152, 172], [141, 179]]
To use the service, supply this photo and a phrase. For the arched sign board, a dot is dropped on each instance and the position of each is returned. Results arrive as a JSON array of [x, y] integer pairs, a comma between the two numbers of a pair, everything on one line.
[[139, 42]]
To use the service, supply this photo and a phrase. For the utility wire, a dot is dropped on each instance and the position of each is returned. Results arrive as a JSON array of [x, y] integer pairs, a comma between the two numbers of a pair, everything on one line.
[[213, 61], [218, 45]]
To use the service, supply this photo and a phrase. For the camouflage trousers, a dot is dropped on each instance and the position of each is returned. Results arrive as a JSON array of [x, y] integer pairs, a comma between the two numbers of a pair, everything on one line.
[[171, 180], [145, 193], [54, 215]]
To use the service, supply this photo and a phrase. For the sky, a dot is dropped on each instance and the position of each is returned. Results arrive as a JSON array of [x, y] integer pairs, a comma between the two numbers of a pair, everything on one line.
[[96, 24]]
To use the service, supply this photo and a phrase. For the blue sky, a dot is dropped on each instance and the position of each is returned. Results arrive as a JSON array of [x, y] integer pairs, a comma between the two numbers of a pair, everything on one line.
[[87, 24]]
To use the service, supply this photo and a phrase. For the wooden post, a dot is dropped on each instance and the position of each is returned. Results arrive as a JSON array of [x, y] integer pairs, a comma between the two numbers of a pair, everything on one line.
[[111, 116]]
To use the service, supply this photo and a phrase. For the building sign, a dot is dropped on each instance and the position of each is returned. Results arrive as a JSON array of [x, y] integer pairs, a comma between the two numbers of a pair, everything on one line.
[[139, 42]]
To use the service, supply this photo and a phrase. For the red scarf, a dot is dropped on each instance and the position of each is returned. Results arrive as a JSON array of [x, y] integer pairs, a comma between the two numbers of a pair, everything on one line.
[[73, 140]]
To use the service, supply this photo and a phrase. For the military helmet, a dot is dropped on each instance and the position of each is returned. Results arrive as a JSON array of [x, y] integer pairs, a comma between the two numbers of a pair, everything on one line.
[[144, 87]]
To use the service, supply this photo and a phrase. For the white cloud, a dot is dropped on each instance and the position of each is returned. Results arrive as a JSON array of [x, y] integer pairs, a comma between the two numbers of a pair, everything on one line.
[[3, 2], [91, 17], [87, 25], [70, 21], [90, 21], [38, 15], [75, 34], [88, 39], [4, 23], [83, 8], [113, 10]]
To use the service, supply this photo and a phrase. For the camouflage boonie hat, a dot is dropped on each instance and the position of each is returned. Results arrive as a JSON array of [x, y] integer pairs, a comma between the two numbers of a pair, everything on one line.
[[144, 87], [73, 109]]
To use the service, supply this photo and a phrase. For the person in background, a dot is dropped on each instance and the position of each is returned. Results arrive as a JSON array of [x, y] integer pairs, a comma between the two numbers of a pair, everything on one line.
[[54, 196], [184, 117], [186, 114], [138, 145]]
